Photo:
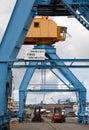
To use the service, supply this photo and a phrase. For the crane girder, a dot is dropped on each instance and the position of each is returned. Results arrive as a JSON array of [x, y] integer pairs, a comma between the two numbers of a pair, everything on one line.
[[77, 8]]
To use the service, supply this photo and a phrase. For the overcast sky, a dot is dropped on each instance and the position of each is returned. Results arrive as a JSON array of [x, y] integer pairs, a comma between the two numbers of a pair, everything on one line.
[[75, 46]]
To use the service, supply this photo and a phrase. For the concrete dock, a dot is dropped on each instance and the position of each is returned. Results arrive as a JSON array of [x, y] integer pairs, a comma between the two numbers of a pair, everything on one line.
[[70, 124]]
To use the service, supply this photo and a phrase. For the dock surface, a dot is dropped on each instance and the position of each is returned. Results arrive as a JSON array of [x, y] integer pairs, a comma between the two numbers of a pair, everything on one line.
[[70, 124]]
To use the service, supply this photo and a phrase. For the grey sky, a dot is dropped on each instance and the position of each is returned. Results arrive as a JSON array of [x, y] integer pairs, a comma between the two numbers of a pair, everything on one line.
[[76, 45]]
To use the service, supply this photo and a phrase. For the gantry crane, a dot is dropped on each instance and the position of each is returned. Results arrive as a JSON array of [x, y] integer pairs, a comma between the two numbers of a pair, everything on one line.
[[20, 21], [43, 33]]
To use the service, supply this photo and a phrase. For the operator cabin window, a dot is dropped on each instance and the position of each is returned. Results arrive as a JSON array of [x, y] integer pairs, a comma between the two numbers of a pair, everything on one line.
[[63, 32], [36, 24]]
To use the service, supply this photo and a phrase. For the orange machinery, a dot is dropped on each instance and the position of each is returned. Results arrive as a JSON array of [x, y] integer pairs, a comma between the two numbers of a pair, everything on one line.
[[57, 115], [45, 31]]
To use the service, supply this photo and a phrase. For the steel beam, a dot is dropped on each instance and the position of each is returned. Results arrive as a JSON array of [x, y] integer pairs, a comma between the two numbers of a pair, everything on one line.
[[16, 29], [53, 66], [23, 87], [10, 45], [43, 2], [3, 79], [52, 60], [80, 11], [51, 90]]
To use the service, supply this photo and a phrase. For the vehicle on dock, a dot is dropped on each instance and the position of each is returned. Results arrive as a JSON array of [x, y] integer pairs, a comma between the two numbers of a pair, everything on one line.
[[37, 115], [58, 116]]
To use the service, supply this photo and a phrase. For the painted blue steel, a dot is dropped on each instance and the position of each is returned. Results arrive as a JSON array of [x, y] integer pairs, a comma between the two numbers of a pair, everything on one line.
[[78, 2], [68, 75], [82, 17], [52, 90], [84, 10], [49, 67], [3, 78], [9, 82], [23, 87], [51, 60], [79, 9], [53, 85], [4, 112], [22, 99], [28, 74], [60, 79], [5, 91], [8, 94], [22, 35], [82, 6], [16, 30], [13, 38], [43, 2]]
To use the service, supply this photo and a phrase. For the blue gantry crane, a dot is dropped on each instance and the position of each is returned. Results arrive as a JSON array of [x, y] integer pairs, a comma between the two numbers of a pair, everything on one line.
[[20, 21]]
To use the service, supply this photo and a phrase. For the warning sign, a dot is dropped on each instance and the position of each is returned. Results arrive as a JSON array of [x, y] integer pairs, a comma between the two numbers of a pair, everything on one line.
[[35, 54]]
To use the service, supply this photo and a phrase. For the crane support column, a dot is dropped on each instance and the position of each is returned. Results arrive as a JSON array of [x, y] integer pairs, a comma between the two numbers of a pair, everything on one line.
[[4, 115], [23, 88], [82, 115], [17, 29], [10, 45], [3, 77]]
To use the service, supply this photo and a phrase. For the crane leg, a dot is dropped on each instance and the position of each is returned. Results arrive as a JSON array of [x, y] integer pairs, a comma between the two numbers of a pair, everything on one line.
[[51, 54], [23, 88], [82, 115], [4, 112], [10, 45]]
